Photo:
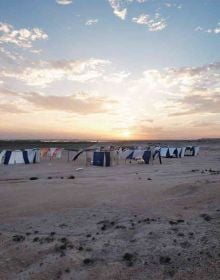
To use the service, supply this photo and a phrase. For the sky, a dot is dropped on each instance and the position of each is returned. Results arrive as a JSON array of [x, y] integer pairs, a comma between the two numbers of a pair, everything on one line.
[[109, 69]]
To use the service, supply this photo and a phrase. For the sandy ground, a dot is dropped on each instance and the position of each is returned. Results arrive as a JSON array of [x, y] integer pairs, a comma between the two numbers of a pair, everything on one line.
[[124, 222]]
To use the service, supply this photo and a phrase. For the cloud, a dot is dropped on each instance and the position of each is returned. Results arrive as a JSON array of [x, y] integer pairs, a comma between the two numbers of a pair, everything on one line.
[[10, 109], [43, 73], [154, 24], [197, 104], [198, 28], [22, 38], [91, 21], [215, 30], [118, 9], [117, 77], [64, 2], [80, 103], [175, 5]]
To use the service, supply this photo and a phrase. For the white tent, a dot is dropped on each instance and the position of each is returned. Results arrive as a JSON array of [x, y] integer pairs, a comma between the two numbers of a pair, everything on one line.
[[163, 152], [2, 156]]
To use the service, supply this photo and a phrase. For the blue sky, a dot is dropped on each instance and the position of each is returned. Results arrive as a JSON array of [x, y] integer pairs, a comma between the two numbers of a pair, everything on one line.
[[118, 51]]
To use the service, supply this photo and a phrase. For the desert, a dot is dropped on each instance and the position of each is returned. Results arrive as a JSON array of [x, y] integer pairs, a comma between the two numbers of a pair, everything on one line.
[[65, 220]]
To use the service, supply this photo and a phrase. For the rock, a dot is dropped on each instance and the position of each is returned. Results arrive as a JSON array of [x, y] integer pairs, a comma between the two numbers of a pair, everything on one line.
[[180, 221], [88, 261], [172, 223], [33, 178], [71, 177], [18, 238], [206, 217], [165, 260]]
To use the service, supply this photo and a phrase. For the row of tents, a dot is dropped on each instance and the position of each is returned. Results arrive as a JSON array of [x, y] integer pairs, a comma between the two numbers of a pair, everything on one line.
[[98, 156]]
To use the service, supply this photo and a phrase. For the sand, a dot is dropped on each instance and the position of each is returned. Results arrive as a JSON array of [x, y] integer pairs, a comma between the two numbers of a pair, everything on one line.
[[125, 222]]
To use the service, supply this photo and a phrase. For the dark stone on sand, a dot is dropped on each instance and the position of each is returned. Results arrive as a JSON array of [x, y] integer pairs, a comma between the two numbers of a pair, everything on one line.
[[62, 177], [180, 221], [128, 258], [36, 232], [18, 238], [180, 234], [88, 235], [52, 233], [64, 240], [172, 223], [33, 178], [36, 239], [28, 233], [67, 270], [149, 179], [49, 178], [206, 217], [71, 177], [103, 227], [62, 225], [165, 260], [88, 261], [80, 248]]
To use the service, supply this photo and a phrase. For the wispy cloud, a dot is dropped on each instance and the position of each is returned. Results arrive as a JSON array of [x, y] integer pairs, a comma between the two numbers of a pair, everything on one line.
[[80, 103], [214, 30], [43, 73], [118, 8], [64, 2], [157, 23], [92, 21], [20, 37]]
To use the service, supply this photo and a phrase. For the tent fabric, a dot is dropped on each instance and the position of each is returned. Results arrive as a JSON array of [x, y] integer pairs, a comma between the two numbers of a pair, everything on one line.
[[138, 154], [147, 156], [107, 159], [171, 152], [98, 158], [196, 151], [2, 156], [22, 156], [156, 154], [130, 155], [102, 159], [163, 152]]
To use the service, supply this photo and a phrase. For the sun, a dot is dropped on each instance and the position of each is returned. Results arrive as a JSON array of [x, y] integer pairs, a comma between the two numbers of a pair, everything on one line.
[[126, 133]]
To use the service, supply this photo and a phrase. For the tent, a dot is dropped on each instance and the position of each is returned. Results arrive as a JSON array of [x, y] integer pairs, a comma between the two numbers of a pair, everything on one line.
[[22, 156], [101, 159], [163, 152], [2, 156], [191, 151]]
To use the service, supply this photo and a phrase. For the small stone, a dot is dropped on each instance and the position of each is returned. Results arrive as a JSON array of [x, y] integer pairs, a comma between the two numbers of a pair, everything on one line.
[[87, 261], [165, 260], [33, 178]]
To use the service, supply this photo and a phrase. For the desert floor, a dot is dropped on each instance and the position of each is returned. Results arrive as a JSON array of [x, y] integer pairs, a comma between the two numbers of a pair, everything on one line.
[[125, 222]]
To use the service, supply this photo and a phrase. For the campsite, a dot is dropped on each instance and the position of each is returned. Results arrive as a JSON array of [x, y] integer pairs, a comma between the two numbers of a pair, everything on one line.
[[65, 219]]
